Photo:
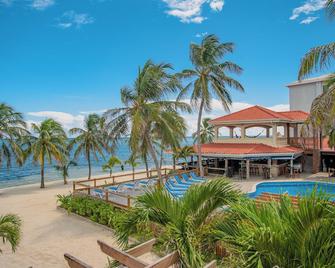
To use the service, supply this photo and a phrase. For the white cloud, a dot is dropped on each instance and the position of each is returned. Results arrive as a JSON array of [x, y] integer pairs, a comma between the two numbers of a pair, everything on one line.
[[73, 19], [218, 110], [190, 11], [309, 20], [42, 4], [309, 7], [66, 119]]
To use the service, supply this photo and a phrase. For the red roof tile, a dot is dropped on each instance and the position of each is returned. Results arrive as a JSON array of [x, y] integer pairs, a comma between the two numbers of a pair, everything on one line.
[[261, 113], [240, 148]]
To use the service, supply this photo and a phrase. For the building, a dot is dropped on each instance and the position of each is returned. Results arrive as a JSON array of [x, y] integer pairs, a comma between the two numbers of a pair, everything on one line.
[[269, 153]]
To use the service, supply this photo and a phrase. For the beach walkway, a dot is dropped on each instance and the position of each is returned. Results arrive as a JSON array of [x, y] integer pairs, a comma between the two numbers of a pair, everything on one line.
[[48, 232]]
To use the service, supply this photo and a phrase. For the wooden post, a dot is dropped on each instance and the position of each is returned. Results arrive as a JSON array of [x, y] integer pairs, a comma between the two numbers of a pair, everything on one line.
[[248, 169], [128, 201], [89, 190], [113, 180], [74, 186], [106, 195], [95, 183]]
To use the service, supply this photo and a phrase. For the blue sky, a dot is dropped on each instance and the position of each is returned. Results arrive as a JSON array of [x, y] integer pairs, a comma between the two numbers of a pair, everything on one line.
[[65, 58]]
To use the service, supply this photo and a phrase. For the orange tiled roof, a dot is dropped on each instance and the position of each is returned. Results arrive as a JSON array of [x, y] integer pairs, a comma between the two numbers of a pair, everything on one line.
[[261, 113], [248, 148]]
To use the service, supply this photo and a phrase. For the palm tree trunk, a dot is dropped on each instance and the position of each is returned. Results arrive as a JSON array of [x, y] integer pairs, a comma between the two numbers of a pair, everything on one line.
[[133, 173], [42, 172], [201, 170], [145, 158], [89, 165], [154, 157], [161, 158], [174, 162], [65, 172]]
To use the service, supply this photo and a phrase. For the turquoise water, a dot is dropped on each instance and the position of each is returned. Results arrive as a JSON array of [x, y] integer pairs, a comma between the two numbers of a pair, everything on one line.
[[294, 188], [30, 172]]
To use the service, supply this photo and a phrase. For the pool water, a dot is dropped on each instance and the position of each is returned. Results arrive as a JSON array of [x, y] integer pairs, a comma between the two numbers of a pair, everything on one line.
[[294, 188]]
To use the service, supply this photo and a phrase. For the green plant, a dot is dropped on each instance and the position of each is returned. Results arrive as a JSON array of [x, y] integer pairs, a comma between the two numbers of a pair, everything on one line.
[[181, 221], [209, 79], [133, 163], [10, 230], [280, 234], [112, 162], [63, 168], [207, 132]]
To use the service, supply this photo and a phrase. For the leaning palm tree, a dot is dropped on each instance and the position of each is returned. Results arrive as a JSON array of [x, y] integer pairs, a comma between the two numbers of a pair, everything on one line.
[[90, 140], [112, 162], [12, 130], [132, 161], [47, 144], [10, 230], [184, 153], [209, 79], [180, 219], [207, 132], [64, 167], [319, 59], [147, 113], [280, 234]]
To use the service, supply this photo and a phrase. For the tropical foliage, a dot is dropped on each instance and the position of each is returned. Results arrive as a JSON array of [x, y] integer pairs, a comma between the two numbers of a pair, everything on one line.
[[147, 113], [279, 234], [112, 162], [12, 130], [184, 153], [209, 79], [133, 163], [207, 132], [181, 220], [90, 140], [64, 167], [10, 230], [47, 144]]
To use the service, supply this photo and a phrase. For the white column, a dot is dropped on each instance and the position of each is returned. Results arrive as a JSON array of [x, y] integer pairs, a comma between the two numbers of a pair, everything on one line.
[[291, 169], [216, 131], [274, 134], [243, 132], [269, 166], [268, 132], [231, 132]]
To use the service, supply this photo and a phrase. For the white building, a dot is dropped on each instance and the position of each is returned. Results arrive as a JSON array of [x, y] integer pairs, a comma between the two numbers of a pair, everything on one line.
[[302, 93]]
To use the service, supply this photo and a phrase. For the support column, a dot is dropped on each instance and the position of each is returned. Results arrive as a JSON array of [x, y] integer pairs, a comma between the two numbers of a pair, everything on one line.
[[216, 133], [274, 134], [291, 167], [288, 134], [296, 131], [269, 166], [248, 169], [243, 132], [231, 132], [268, 132], [226, 166]]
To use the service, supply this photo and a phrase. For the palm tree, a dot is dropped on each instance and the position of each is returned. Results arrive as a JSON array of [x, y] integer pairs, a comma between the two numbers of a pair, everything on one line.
[[91, 140], [12, 129], [279, 234], [319, 59], [209, 79], [147, 114], [180, 219], [112, 162], [133, 163], [10, 230], [184, 153], [48, 143], [63, 167], [207, 132]]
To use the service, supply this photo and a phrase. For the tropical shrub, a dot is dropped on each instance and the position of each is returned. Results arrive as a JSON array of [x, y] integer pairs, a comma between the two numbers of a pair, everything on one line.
[[10, 230], [280, 234]]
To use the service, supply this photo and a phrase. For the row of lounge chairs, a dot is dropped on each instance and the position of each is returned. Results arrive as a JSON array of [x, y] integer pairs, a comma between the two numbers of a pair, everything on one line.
[[177, 185]]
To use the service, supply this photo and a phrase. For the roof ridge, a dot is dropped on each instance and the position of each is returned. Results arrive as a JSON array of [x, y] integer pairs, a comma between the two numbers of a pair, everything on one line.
[[268, 111]]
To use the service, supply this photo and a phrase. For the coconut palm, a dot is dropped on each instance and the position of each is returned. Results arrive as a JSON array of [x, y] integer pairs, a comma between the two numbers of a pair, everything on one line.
[[12, 129], [132, 161], [184, 153], [147, 114], [207, 132], [209, 79], [180, 219], [47, 144], [10, 230], [63, 168], [112, 162], [90, 140], [279, 234]]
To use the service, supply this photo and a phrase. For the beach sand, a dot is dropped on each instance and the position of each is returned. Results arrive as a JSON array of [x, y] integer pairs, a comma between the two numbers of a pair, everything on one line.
[[48, 232]]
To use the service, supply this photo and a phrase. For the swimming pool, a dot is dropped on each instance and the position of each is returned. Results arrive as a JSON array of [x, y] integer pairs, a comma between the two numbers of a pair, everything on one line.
[[294, 188]]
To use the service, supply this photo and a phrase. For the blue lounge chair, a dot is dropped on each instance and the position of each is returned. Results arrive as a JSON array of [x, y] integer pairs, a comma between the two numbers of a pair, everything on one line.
[[187, 178], [179, 181], [173, 192], [98, 193], [176, 186], [194, 176]]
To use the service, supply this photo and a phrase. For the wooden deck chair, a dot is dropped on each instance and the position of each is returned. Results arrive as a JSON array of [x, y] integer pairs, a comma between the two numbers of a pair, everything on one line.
[[74, 262]]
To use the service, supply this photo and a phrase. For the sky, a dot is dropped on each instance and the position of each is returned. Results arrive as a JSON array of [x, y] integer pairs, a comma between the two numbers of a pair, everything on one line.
[[66, 58]]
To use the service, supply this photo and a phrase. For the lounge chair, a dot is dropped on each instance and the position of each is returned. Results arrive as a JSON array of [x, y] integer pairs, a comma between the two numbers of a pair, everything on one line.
[[177, 186], [187, 178], [194, 176], [175, 193], [98, 193], [179, 181]]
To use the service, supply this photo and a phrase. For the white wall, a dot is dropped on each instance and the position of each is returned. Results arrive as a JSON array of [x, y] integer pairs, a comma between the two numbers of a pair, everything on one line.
[[302, 96]]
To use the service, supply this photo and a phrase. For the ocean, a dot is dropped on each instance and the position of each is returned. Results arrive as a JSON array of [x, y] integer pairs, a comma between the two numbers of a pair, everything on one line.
[[30, 173]]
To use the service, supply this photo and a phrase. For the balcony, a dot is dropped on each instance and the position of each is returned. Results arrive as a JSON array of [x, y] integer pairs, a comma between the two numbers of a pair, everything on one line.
[[268, 141]]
